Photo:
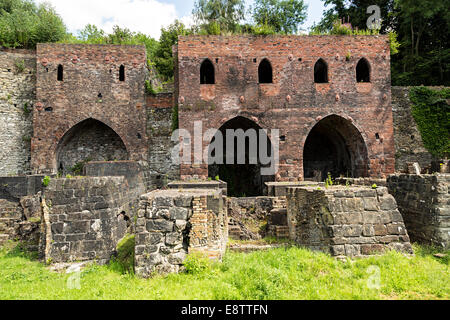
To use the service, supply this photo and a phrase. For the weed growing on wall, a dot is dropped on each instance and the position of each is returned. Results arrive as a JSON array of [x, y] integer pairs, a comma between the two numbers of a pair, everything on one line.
[[431, 112]]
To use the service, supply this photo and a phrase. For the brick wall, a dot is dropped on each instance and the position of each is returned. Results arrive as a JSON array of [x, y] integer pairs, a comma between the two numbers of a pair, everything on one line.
[[293, 102], [91, 89], [424, 202]]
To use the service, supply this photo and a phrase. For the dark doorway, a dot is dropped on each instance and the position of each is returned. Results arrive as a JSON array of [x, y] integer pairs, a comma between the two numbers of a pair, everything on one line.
[[89, 140], [265, 72], [363, 71], [243, 180], [334, 146], [207, 72], [321, 72]]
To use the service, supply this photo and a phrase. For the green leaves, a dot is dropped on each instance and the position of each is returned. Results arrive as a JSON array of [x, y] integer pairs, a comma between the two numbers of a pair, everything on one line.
[[282, 16], [23, 24], [432, 115]]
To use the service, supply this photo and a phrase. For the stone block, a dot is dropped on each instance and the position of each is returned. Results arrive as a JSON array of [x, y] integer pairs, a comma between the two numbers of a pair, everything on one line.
[[159, 225]]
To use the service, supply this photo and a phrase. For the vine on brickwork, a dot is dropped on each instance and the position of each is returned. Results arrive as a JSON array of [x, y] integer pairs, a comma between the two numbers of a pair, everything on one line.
[[431, 112]]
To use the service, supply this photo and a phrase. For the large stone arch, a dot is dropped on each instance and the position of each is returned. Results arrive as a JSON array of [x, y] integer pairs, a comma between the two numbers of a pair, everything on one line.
[[335, 145], [243, 179], [89, 140]]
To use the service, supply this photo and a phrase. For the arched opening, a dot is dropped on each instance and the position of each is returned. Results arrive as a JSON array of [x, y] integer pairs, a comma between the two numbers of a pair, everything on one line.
[[241, 157], [334, 146], [363, 71], [60, 73], [89, 140], [122, 73], [265, 72], [207, 72], [321, 71]]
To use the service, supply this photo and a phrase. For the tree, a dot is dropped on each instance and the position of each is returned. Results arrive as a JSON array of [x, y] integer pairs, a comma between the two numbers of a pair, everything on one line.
[[91, 34], [355, 12], [23, 24], [164, 61], [216, 16], [283, 16]]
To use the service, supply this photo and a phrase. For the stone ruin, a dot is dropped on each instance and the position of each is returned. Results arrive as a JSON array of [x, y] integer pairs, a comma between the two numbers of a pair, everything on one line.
[[53, 122]]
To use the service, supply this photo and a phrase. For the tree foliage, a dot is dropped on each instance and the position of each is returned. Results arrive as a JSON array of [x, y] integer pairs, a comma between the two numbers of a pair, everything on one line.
[[23, 24], [282, 16], [217, 16], [419, 32]]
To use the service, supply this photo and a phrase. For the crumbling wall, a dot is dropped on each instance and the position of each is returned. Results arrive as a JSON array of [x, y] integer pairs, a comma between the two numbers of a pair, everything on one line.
[[17, 96], [173, 223], [84, 218], [354, 221], [424, 202]]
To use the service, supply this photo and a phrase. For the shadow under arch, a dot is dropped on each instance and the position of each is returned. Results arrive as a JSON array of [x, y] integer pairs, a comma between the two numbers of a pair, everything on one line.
[[336, 146], [242, 179], [88, 140]]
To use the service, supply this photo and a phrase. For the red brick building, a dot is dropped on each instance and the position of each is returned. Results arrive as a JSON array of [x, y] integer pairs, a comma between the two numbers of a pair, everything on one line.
[[330, 96], [90, 105]]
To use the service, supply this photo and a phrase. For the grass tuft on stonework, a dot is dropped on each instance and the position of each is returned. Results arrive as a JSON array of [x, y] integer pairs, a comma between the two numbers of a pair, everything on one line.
[[286, 273], [123, 262]]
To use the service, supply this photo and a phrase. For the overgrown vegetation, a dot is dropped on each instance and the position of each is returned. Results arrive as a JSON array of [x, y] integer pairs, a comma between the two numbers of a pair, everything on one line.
[[431, 112], [46, 181], [291, 273], [124, 260]]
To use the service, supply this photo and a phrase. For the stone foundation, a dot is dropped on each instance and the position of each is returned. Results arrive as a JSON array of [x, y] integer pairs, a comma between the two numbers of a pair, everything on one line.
[[424, 202], [173, 223], [84, 218], [354, 221]]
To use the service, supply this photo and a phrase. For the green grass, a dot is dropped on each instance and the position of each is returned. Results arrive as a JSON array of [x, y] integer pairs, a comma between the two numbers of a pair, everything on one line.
[[291, 273]]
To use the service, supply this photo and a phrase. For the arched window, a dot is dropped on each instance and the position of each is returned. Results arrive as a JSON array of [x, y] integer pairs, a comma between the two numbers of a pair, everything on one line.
[[60, 73], [207, 72], [363, 71], [321, 71], [265, 72], [122, 73]]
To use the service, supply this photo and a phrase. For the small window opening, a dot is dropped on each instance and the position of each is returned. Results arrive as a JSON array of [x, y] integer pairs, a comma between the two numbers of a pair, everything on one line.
[[100, 96], [60, 73], [377, 136], [265, 72], [363, 71], [122, 73], [207, 72], [217, 60], [320, 72]]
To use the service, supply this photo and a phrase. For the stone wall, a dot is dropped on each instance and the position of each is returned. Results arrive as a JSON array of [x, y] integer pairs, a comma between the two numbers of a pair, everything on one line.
[[293, 103], [354, 221], [17, 96], [424, 202], [161, 170], [173, 223], [84, 218], [408, 141]]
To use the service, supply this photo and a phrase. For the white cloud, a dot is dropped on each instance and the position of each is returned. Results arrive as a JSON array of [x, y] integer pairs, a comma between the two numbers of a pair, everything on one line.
[[146, 16]]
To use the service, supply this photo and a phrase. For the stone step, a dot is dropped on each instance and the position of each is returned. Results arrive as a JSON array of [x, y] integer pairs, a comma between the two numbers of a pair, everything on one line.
[[279, 232]]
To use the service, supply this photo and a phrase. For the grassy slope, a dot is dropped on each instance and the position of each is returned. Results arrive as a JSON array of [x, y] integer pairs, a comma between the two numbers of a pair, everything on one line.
[[276, 274]]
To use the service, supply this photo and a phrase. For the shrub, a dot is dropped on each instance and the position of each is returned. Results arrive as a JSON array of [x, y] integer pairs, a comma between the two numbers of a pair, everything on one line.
[[46, 181], [197, 263], [124, 260]]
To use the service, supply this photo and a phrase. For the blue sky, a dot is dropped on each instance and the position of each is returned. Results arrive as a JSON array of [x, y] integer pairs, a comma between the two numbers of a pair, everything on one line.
[[147, 16]]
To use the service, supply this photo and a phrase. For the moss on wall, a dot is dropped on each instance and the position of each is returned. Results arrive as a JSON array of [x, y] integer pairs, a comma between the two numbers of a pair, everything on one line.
[[431, 112]]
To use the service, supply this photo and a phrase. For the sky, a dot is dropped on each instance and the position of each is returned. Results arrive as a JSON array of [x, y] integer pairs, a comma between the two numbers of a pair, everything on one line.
[[146, 16]]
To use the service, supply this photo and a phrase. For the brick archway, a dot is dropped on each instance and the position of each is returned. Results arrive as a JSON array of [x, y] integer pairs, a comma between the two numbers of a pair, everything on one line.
[[243, 179], [88, 140], [335, 145]]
